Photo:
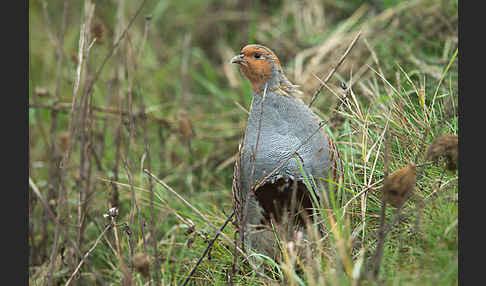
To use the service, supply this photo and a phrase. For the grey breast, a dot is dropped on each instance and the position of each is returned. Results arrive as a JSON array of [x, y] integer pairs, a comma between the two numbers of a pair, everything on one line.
[[286, 122]]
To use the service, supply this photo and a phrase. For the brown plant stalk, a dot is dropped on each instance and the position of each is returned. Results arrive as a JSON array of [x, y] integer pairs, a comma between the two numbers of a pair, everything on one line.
[[53, 172], [146, 155]]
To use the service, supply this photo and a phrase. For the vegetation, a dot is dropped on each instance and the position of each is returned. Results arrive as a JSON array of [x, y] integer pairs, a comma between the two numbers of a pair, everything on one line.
[[119, 87]]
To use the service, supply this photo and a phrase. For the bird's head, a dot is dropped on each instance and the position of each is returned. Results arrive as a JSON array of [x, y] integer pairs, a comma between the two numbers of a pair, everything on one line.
[[260, 65]]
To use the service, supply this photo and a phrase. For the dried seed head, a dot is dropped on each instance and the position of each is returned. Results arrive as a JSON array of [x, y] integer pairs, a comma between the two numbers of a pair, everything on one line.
[[41, 92], [141, 262], [127, 230], [185, 126], [190, 241], [74, 59], [452, 159], [343, 86], [97, 30], [190, 227], [399, 185], [445, 145], [52, 203], [112, 213], [64, 141]]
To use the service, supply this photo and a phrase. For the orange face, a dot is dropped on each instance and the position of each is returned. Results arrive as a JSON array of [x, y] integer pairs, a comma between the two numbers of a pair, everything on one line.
[[256, 64]]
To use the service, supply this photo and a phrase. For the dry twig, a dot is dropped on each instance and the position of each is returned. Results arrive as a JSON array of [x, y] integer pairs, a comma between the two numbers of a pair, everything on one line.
[[208, 248], [54, 176], [316, 93], [88, 253]]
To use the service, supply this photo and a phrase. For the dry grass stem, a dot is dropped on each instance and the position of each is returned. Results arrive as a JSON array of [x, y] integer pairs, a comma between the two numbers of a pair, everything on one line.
[[66, 236], [314, 96], [207, 249], [87, 254]]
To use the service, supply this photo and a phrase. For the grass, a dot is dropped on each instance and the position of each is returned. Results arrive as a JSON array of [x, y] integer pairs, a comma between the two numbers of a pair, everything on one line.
[[401, 78]]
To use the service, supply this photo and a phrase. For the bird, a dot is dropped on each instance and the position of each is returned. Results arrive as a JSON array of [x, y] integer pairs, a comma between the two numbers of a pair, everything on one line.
[[282, 133]]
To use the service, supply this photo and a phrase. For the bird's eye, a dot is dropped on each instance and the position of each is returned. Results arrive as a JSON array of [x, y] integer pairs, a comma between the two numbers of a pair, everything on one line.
[[257, 55]]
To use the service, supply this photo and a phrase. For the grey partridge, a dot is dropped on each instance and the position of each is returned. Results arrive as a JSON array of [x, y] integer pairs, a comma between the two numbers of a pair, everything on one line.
[[281, 123]]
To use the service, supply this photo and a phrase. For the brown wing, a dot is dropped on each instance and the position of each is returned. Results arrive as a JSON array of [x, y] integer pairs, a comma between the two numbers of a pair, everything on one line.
[[336, 161], [236, 188]]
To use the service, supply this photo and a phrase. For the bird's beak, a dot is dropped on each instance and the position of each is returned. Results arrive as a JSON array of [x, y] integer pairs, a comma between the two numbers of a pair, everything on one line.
[[238, 59]]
